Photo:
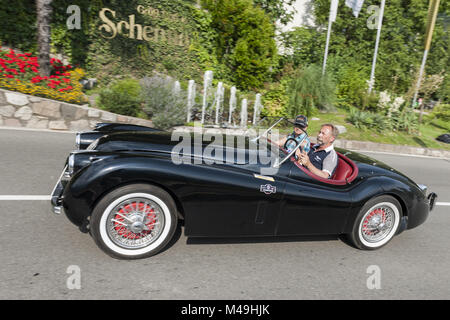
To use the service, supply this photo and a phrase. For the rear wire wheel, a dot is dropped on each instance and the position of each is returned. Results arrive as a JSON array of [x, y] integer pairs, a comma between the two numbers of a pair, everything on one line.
[[376, 223]]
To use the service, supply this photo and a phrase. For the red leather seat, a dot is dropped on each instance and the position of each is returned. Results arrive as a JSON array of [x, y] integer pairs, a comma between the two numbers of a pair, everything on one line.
[[343, 170], [346, 171]]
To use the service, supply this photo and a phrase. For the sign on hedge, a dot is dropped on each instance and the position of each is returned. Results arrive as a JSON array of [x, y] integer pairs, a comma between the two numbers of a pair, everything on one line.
[[130, 29], [137, 37]]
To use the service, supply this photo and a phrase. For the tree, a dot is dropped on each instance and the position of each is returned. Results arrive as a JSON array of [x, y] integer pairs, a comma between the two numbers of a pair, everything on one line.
[[276, 9], [352, 42], [245, 41], [44, 11]]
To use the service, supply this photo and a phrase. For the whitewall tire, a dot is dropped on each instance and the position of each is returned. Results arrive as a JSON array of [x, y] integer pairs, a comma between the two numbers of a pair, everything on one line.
[[376, 223], [134, 221]]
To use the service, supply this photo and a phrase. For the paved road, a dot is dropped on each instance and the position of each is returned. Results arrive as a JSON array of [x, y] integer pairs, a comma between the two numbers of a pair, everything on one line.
[[41, 252]]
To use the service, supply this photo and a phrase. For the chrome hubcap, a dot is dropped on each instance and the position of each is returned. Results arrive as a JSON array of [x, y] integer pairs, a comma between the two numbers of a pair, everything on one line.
[[377, 223], [135, 223]]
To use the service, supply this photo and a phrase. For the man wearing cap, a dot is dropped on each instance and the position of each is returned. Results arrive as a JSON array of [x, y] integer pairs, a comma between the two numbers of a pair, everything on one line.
[[322, 159], [299, 134]]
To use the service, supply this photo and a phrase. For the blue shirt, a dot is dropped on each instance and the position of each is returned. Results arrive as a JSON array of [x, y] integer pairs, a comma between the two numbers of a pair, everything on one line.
[[291, 145], [325, 160]]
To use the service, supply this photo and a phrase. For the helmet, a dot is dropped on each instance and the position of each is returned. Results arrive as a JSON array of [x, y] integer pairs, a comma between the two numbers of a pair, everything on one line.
[[301, 121]]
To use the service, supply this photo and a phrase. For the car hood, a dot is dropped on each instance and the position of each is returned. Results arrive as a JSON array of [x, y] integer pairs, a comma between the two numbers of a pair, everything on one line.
[[220, 148], [136, 141]]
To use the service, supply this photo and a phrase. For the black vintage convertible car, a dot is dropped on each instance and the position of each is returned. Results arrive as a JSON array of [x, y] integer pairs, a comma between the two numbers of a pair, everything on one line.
[[124, 186]]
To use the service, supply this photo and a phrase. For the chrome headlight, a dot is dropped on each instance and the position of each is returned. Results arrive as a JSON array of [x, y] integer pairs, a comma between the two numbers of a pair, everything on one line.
[[424, 188], [71, 164]]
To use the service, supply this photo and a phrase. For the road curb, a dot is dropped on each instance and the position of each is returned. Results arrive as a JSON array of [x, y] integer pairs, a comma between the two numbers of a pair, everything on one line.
[[390, 148]]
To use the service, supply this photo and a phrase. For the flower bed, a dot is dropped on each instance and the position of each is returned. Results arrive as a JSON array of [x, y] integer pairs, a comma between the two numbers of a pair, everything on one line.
[[20, 72]]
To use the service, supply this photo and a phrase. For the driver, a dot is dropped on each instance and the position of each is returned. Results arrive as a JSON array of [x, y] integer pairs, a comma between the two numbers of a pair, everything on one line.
[[322, 159], [299, 134]]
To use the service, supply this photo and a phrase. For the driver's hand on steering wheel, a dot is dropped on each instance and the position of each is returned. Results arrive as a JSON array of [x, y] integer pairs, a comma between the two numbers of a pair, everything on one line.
[[303, 158]]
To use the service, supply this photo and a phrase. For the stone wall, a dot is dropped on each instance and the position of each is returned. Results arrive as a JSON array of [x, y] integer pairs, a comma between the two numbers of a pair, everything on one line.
[[22, 110]]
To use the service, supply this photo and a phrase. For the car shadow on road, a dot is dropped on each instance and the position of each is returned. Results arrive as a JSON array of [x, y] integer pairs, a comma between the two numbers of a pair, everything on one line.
[[176, 236], [267, 239]]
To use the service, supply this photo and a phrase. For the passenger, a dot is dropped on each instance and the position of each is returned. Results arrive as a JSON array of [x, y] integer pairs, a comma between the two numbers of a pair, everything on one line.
[[299, 134], [322, 159]]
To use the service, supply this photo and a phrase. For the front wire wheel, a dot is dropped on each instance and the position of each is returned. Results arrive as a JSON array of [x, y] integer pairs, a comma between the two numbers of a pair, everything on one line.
[[377, 223], [134, 221]]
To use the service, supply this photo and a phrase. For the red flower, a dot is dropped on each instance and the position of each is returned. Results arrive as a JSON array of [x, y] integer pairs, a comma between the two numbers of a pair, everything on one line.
[[36, 79]]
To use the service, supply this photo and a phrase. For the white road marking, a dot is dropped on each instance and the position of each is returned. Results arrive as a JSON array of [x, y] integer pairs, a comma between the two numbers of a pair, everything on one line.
[[401, 154], [24, 197], [442, 203]]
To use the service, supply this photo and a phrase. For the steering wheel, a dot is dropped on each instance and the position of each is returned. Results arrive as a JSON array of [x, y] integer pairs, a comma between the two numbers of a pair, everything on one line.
[[291, 141]]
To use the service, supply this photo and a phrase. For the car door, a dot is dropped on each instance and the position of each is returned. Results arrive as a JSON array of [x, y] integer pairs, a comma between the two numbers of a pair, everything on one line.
[[313, 207], [234, 201]]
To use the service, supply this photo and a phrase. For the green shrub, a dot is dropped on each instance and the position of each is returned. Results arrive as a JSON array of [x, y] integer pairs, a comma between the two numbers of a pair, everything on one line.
[[122, 97], [406, 120], [360, 119], [310, 90], [352, 87], [370, 101], [162, 103], [368, 120], [275, 101], [442, 112]]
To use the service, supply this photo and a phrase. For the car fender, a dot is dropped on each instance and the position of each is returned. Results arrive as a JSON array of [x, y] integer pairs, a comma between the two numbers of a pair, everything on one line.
[[95, 180], [366, 189]]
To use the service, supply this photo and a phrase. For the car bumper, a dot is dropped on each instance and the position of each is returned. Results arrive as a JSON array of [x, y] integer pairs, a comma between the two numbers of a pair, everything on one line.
[[431, 200], [57, 193]]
